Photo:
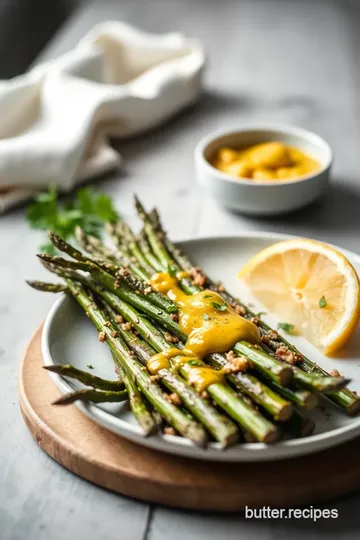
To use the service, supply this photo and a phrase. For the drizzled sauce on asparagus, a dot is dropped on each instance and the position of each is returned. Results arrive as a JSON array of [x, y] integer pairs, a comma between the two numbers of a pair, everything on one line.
[[211, 326]]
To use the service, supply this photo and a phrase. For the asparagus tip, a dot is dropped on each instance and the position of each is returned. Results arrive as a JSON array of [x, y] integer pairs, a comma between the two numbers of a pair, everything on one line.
[[139, 207], [47, 287]]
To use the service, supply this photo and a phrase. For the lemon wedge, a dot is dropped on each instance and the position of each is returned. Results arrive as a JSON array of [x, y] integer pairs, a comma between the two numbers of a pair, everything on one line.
[[310, 285]]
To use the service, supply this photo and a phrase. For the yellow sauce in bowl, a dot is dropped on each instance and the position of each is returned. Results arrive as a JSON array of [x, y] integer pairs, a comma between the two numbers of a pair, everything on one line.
[[266, 162]]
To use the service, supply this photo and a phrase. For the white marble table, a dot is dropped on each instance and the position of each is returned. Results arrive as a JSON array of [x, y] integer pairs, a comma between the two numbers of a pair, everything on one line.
[[279, 60]]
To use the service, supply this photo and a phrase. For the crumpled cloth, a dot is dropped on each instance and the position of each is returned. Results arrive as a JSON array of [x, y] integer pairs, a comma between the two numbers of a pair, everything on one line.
[[118, 81]]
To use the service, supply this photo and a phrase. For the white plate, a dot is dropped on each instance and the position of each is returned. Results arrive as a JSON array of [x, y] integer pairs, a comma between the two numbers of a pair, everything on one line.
[[69, 337]]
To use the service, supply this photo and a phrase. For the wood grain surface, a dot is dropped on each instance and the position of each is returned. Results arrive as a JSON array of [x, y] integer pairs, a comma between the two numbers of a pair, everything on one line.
[[102, 457]]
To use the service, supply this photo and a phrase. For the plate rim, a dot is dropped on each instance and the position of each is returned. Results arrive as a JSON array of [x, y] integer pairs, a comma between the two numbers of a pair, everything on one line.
[[242, 452]]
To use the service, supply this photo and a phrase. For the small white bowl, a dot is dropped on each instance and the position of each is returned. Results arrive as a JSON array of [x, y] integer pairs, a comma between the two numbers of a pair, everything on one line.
[[264, 198]]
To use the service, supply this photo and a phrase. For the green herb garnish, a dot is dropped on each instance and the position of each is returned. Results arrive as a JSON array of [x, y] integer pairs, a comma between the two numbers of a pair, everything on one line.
[[171, 270], [194, 363], [287, 327], [322, 302], [89, 209], [207, 296], [261, 313], [90, 366], [219, 307]]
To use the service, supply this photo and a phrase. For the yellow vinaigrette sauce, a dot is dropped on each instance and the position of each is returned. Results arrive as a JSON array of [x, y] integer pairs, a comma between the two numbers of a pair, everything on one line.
[[211, 326], [271, 161]]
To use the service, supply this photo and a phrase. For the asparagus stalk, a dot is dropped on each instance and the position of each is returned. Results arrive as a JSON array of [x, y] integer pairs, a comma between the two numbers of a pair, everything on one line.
[[67, 370], [154, 265], [226, 436], [186, 427], [137, 404], [253, 422], [257, 356], [324, 384], [158, 299], [299, 425], [160, 252], [70, 250], [219, 425], [122, 234], [302, 398], [47, 287], [95, 247], [334, 390], [95, 396], [123, 291], [270, 367], [266, 399], [222, 429], [278, 407], [231, 403], [177, 255]]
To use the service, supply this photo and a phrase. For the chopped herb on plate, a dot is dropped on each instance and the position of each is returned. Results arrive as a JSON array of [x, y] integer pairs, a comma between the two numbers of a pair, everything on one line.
[[171, 270], [219, 307], [287, 327]]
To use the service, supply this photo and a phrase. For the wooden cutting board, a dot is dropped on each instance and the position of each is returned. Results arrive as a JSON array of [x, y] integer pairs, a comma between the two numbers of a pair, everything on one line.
[[106, 459]]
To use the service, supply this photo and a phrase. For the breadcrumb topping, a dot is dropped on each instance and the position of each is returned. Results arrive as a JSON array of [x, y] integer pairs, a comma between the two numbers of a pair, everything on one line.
[[288, 356], [235, 364], [240, 310], [170, 338], [173, 398], [169, 430], [197, 276]]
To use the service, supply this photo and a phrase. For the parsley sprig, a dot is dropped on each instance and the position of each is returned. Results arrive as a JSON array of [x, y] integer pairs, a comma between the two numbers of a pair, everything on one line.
[[219, 307], [89, 209], [171, 270], [287, 327]]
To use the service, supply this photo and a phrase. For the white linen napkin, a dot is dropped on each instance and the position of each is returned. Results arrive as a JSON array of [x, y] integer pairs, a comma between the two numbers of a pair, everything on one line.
[[56, 119]]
